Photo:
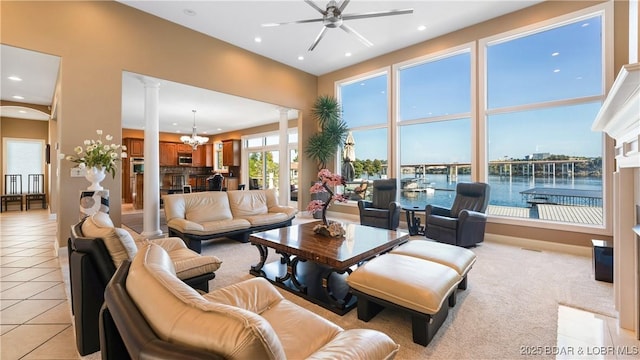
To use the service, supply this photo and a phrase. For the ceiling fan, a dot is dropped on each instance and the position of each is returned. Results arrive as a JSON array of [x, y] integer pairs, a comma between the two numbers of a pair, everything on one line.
[[332, 17]]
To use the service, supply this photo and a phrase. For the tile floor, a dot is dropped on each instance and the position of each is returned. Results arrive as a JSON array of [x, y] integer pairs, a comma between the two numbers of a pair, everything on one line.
[[35, 314]]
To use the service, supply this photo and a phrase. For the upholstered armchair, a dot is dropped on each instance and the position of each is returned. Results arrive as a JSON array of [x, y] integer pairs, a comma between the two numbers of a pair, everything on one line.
[[383, 211], [96, 248], [464, 223]]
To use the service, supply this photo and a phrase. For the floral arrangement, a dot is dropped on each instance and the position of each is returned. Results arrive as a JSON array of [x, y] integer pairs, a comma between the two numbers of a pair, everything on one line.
[[327, 180], [97, 154]]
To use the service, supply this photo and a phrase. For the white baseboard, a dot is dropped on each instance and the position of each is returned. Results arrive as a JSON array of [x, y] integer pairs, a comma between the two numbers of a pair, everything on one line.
[[539, 245]]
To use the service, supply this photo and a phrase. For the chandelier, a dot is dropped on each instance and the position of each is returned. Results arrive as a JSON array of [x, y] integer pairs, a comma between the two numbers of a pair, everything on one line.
[[194, 140]]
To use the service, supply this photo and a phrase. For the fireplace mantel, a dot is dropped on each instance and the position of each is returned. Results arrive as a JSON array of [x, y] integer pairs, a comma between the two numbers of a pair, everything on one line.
[[619, 116]]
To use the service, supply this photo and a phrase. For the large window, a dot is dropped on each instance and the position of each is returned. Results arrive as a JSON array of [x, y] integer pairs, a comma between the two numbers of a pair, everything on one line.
[[24, 157], [544, 89], [263, 159], [434, 136], [365, 109]]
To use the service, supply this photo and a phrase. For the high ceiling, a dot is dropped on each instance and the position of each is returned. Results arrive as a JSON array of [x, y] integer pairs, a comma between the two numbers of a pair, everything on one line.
[[240, 23]]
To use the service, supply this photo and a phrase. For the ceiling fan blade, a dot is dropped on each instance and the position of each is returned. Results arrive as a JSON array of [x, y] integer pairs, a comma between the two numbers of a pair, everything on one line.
[[313, 5], [318, 38], [292, 22], [350, 30], [377, 13], [343, 5]]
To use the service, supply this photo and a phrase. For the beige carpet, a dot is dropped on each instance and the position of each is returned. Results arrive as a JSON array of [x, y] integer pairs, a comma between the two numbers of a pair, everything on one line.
[[134, 221], [511, 301]]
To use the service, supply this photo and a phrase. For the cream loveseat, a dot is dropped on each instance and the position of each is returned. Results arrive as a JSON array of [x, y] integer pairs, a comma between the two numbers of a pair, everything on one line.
[[214, 214], [150, 314]]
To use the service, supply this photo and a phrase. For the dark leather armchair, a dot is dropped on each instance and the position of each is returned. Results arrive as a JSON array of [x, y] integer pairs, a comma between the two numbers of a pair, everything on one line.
[[90, 269], [383, 211], [464, 223]]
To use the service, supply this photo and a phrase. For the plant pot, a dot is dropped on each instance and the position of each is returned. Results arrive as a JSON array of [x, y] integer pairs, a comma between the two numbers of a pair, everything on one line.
[[95, 175]]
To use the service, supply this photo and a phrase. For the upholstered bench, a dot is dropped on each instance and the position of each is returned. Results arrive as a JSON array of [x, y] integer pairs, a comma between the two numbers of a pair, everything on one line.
[[459, 259], [409, 283]]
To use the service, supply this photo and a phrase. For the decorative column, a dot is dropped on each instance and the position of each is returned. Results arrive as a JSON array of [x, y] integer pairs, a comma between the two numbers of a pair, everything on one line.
[[151, 196], [284, 180]]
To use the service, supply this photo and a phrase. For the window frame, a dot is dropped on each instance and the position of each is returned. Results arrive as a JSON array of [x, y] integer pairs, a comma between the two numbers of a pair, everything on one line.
[[606, 12], [388, 125]]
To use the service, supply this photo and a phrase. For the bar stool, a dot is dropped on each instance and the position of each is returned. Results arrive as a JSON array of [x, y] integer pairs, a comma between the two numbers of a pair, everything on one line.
[[12, 191]]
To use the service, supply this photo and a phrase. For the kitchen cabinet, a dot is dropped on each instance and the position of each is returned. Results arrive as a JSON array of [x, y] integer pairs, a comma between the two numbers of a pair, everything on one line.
[[231, 153], [231, 183], [208, 155], [168, 154], [198, 157], [135, 147], [183, 149]]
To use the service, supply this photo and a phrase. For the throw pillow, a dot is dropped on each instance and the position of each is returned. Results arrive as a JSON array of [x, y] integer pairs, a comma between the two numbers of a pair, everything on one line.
[[118, 242]]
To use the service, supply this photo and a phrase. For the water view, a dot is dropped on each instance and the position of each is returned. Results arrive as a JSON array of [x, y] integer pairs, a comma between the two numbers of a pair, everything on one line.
[[505, 191]]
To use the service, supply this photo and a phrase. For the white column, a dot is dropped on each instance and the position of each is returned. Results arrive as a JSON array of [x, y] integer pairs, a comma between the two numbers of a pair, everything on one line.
[[283, 182], [151, 196]]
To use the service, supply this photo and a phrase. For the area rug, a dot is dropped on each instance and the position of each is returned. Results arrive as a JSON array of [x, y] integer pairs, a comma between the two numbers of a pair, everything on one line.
[[134, 221], [511, 301]]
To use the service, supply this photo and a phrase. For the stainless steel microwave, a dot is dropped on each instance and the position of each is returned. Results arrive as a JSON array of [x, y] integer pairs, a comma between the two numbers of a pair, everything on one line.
[[185, 160]]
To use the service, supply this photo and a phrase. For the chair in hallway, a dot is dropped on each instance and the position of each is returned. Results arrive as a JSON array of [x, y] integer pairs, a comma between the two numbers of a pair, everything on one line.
[[12, 191], [383, 211], [464, 223], [35, 190]]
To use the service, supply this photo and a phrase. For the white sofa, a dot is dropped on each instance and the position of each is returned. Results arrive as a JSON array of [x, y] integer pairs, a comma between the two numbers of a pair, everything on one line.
[[235, 214]]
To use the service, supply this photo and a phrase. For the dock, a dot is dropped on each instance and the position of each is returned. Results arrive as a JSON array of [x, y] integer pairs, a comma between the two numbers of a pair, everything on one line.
[[586, 215], [558, 196]]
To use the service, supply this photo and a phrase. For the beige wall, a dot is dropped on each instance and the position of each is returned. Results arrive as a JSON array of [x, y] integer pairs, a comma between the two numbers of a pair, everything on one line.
[[97, 40], [534, 14]]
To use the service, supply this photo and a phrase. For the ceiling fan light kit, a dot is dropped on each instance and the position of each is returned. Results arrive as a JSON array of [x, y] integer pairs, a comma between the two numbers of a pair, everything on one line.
[[194, 140], [332, 18]]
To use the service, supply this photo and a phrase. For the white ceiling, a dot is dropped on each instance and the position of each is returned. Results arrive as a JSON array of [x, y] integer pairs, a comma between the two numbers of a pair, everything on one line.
[[239, 23]]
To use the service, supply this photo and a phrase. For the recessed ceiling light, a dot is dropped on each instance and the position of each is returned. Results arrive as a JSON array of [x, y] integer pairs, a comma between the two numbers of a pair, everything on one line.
[[556, 70], [219, 129], [174, 124], [257, 39], [14, 78], [189, 12], [347, 54], [300, 57], [555, 54], [18, 97], [422, 28]]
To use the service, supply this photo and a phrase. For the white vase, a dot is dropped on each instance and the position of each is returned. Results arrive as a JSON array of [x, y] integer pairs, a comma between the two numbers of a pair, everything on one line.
[[94, 175]]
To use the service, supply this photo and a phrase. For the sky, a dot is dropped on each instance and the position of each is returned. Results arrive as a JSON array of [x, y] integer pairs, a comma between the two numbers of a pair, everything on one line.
[[557, 64]]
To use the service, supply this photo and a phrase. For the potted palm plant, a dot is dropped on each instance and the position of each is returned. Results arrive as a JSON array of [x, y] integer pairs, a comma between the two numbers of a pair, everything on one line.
[[323, 145]]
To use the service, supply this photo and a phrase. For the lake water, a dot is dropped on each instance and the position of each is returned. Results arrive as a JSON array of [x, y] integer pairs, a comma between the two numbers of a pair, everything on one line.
[[504, 191]]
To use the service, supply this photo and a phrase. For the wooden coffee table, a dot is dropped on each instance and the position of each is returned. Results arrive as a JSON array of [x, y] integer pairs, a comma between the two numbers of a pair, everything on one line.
[[315, 267]]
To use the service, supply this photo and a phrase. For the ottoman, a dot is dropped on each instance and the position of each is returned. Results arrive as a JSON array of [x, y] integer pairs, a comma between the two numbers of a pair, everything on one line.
[[411, 284], [459, 259]]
